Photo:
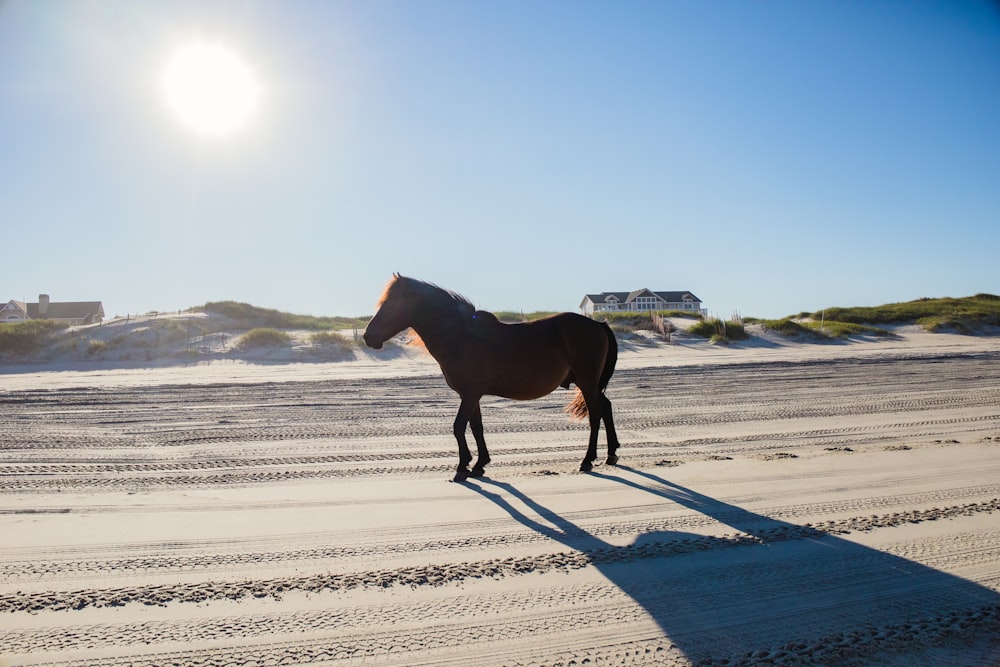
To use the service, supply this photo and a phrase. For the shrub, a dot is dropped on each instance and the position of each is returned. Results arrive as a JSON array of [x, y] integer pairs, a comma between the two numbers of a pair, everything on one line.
[[629, 321], [28, 336], [515, 316], [171, 330], [945, 323], [718, 331], [736, 331], [845, 329], [626, 322], [933, 314], [704, 329], [786, 327], [252, 316], [823, 329], [329, 341], [263, 337], [118, 341]]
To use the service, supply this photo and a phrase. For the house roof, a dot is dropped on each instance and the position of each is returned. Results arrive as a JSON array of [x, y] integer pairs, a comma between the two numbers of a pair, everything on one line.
[[628, 297], [67, 310]]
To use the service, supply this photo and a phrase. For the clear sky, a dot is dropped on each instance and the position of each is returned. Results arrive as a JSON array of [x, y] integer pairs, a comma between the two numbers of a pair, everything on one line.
[[771, 157]]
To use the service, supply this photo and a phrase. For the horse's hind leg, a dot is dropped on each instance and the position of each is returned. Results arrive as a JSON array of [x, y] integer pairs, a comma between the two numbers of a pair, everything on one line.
[[476, 423], [609, 427], [594, 405], [599, 409]]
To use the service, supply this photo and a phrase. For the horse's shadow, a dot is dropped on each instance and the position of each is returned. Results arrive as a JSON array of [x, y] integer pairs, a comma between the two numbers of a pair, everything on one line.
[[772, 586]]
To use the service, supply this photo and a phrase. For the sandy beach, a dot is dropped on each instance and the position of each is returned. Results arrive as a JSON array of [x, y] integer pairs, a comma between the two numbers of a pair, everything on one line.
[[775, 504]]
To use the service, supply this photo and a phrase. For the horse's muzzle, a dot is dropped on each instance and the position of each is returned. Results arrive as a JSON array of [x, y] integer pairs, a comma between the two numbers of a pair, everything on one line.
[[370, 342]]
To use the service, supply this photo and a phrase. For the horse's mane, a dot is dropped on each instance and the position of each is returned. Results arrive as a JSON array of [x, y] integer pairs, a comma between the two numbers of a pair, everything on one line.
[[434, 297]]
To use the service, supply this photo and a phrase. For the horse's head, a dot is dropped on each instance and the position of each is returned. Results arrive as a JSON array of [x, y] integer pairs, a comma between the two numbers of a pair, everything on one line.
[[407, 302], [395, 313]]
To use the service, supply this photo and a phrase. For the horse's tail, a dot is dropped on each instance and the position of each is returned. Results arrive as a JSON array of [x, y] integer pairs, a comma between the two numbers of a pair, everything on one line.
[[577, 408]]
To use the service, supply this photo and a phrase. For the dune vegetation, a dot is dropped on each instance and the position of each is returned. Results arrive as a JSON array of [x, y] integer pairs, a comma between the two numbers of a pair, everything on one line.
[[28, 336], [632, 321], [263, 337], [964, 315], [250, 317], [214, 328]]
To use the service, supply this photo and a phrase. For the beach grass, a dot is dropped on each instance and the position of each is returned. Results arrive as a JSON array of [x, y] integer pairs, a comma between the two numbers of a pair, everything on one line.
[[963, 315], [263, 337], [27, 336], [249, 317]]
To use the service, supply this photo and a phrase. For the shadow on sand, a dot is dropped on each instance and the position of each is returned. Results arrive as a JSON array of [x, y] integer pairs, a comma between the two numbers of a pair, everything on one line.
[[775, 592]]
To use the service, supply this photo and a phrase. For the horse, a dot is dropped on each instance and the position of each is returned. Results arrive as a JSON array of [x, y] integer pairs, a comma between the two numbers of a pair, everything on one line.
[[479, 355]]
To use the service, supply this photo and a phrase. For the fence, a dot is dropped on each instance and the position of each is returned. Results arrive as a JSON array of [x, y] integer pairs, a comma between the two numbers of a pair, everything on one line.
[[661, 325]]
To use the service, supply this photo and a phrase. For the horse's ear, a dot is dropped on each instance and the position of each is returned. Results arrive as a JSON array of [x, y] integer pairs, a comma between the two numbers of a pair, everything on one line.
[[395, 275]]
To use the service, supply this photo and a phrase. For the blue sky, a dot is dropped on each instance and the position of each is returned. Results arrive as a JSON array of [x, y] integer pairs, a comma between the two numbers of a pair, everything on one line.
[[771, 157]]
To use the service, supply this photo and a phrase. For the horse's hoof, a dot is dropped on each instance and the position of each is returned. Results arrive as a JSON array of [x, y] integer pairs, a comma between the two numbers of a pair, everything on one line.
[[586, 466], [477, 472], [461, 476], [612, 460]]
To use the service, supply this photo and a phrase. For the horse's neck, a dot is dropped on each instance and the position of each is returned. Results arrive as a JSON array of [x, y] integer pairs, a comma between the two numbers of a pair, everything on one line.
[[438, 331]]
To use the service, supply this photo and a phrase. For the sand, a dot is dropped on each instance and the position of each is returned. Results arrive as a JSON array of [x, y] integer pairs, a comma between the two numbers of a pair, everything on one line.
[[775, 504]]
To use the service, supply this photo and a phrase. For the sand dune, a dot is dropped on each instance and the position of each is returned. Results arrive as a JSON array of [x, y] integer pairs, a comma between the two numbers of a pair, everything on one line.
[[775, 504]]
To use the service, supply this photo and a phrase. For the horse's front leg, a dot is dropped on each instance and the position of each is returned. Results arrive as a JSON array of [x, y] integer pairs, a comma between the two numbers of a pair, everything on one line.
[[465, 411], [476, 422], [588, 461]]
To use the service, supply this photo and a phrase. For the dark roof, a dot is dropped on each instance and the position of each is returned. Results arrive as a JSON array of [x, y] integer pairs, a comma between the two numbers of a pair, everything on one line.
[[628, 297], [67, 310]]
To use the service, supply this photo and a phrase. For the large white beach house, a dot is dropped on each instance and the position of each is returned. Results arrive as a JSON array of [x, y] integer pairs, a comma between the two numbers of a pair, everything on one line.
[[640, 300]]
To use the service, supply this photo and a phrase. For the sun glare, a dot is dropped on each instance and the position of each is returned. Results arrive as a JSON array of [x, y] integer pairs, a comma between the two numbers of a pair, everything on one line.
[[210, 89]]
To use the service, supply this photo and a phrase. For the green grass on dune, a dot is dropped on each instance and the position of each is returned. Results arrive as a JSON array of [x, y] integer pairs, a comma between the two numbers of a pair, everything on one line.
[[252, 316], [964, 315]]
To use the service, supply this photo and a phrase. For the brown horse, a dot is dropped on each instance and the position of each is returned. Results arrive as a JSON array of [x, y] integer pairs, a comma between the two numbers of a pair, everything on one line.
[[479, 355]]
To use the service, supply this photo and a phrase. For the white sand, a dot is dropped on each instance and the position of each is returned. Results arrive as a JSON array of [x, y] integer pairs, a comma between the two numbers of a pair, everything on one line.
[[776, 503]]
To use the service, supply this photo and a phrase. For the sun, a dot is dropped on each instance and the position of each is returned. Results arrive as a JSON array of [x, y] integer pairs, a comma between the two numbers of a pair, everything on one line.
[[210, 89]]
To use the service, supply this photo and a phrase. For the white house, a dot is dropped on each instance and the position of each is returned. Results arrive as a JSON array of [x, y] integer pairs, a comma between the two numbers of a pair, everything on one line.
[[70, 312], [640, 300]]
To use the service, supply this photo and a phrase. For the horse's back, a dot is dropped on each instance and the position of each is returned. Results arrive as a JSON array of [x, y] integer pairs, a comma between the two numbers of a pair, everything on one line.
[[563, 321], [529, 359], [577, 327], [581, 341]]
